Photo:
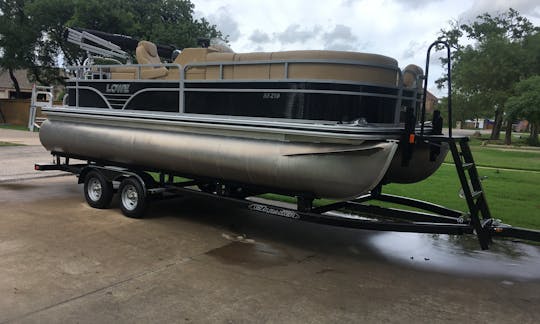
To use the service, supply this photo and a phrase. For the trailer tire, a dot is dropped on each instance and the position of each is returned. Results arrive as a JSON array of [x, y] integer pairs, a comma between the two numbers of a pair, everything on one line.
[[132, 198], [98, 191]]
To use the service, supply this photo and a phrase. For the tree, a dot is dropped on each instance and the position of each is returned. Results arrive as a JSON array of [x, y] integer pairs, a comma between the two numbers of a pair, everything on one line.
[[168, 22], [17, 39], [526, 104], [464, 107], [531, 45], [32, 31], [488, 74], [497, 59]]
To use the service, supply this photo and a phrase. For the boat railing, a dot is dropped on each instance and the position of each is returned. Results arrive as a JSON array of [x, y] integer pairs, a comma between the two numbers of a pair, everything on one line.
[[437, 45], [288, 62], [103, 73], [42, 96]]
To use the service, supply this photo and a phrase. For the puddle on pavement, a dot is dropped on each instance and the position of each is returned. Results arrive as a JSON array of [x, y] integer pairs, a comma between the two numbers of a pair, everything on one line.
[[39, 190], [250, 255], [452, 254], [459, 254]]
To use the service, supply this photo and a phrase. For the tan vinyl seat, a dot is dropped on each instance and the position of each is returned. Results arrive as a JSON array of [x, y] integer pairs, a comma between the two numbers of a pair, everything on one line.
[[325, 69], [117, 72], [412, 76], [123, 72], [275, 68], [146, 53], [194, 55]]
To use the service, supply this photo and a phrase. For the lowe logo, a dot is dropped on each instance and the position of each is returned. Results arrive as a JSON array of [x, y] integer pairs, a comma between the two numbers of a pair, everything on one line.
[[117, 88], [274, 211]]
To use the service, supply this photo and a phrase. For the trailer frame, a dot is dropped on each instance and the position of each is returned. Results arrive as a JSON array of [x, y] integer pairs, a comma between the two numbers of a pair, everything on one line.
[[356, 213]]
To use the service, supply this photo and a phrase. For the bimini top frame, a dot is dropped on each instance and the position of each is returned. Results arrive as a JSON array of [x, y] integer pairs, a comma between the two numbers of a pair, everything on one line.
[[101, 47]]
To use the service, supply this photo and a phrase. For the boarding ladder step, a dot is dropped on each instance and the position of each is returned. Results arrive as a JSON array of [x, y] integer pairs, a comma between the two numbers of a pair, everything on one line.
[[467, 166], [471, 185], [476, 194], [39, 121], [472, 188]]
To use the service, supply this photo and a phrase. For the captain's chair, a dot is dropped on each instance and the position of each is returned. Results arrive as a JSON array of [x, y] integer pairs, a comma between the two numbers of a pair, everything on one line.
[[146, 53]]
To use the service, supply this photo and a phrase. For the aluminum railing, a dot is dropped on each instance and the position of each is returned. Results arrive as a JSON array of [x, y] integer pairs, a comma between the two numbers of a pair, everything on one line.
[[102, 73], [42, 96]]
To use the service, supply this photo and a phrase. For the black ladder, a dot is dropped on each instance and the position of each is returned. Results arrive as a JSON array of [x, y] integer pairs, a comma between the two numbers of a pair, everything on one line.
[[471, 184], [461, 153]]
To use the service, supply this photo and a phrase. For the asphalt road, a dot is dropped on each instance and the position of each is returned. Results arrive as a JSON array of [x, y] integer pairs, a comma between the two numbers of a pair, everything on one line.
[[206, 261]]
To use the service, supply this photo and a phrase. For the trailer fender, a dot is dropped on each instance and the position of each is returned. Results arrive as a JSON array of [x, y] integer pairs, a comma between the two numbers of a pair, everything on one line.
[[116, 175]]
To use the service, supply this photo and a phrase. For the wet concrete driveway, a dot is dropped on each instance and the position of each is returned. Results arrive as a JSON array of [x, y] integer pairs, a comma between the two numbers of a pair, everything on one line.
[[200, 261]]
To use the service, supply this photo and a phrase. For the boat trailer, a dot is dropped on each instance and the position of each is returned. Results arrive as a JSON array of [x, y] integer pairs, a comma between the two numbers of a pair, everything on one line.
[[136, 187]]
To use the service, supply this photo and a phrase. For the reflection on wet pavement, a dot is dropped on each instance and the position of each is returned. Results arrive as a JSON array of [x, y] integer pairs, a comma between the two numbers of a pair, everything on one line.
[[453, 254], [251, 255], [459, 254]]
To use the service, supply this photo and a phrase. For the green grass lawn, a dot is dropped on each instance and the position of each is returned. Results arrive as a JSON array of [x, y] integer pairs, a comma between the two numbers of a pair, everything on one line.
[[503, 157], [9, 144], [518, 139], [512, 187], [507, 159], [513, 196], [18, 127]]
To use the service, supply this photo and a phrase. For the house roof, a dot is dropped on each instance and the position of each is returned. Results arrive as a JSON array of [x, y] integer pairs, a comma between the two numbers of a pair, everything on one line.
[[22, 78], [431, 96]]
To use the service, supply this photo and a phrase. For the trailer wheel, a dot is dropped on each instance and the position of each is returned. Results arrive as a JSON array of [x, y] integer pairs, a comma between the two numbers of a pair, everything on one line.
[[97, 190], [132, 198]]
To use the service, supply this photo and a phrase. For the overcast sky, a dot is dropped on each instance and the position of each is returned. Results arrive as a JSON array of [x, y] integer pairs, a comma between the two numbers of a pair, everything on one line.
[[402, 29]]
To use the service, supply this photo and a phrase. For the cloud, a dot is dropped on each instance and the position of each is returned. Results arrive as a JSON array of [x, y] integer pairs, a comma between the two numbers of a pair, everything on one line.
[[340, 38], [410, 51], [414, 50], [294, 34], [415, 4], [348, 3], [225, 22], [397, 28], [259, 36], [496, 7]]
